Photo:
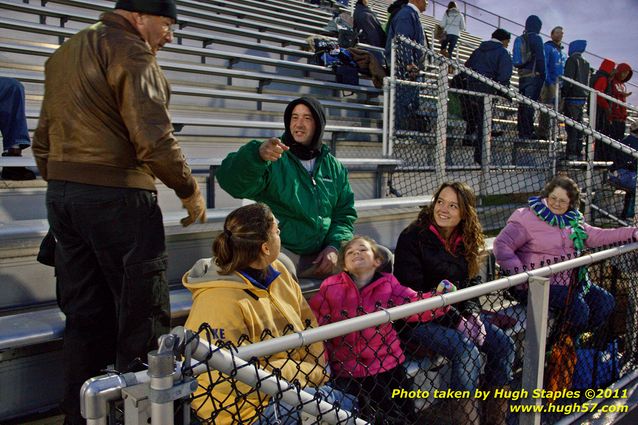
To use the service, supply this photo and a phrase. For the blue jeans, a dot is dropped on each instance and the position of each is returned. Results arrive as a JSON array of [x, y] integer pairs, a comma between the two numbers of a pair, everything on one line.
[[449, 43], [13, 121], [586, 311], [528, 87], [110, 263], [464, 355], [285, 414]]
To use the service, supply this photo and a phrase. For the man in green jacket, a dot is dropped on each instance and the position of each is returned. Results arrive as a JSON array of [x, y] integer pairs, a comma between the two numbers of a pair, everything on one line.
[[306, 187]]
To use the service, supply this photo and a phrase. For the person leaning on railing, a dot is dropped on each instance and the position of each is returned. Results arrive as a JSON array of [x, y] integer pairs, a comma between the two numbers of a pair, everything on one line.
[[444, 243], [550, 228], [245, 291]]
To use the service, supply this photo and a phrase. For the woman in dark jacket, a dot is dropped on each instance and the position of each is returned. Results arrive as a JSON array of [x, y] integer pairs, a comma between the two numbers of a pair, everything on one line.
[[444, 243]]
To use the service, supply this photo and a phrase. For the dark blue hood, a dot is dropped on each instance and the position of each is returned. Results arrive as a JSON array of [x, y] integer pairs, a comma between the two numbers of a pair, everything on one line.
[[577, 46], [533, 24], [488, 45]]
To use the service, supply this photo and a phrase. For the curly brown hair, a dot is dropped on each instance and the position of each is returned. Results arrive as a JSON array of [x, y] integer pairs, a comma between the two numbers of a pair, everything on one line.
[[469, 227], [570, 186]]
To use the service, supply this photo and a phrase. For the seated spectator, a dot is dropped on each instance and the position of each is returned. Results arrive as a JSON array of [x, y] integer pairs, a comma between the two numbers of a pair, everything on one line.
[[13, 125], [453, 23], [306, 187], [492, 60], [445, 242], [368, 363], [552, 227], [367, 25], [623, 172], [244, 291]]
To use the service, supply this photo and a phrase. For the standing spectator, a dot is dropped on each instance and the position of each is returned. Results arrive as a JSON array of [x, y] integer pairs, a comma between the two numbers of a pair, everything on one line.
[[492, 60], [103, 137], [367, 25], [445, 242], [555, 60], [575, 98], [306, 187], [601, 82], [393, 9], [531, 77], [453, 23], [13, 125], [369, 362], [409, 62], [619, 91], [552, 227]]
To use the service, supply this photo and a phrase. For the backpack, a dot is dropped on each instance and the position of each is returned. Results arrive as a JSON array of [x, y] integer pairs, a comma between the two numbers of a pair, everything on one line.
[[342, 64], [598, 75], [521, 53]]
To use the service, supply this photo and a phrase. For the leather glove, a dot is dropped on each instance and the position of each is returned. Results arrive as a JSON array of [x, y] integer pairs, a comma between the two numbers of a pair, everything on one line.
[[196, 207]]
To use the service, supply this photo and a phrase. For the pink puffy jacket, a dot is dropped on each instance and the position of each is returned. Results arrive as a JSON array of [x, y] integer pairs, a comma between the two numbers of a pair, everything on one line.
[[526, 240], [373, 350]]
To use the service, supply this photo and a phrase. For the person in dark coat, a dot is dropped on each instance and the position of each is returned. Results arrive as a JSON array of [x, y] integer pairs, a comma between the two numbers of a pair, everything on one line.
[[577, 69], [493, 61], [531, 77], [445, 242], [623, 172], [365, 21]]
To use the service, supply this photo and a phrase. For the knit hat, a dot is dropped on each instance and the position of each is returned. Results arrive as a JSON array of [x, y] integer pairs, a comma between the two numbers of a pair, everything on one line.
[[152, 7], [501, 35]]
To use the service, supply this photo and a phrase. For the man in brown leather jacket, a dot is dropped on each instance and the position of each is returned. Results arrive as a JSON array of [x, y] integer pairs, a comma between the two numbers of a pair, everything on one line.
[[103, 137]]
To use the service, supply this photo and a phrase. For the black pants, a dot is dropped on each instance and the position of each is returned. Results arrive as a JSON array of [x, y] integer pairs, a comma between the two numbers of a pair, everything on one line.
[[374, 394], [111, 279], [474, 114], [574, 136]]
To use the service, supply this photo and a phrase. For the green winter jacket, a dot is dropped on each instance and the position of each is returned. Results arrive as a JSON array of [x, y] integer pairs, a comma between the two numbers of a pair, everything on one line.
[[314, 211]]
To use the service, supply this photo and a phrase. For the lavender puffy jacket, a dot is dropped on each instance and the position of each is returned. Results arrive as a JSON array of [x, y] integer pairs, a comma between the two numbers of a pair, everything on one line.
[[527, 240]]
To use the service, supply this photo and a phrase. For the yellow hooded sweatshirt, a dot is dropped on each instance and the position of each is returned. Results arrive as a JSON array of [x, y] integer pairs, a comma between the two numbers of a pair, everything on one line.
[[234, 307]]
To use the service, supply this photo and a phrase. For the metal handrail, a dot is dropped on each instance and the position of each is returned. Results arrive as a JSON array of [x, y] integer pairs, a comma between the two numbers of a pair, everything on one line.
[[600, 94]]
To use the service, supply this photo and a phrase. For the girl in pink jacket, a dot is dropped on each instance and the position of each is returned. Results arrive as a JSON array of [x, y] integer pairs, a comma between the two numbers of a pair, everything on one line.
[[368, 363], [551, 228]]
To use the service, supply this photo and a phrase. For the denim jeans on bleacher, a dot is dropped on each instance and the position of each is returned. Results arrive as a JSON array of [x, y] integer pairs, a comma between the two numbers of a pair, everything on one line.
[[281, 413], [464, 356], [110, 262], [528, 87], [13, 122], [586, 312]]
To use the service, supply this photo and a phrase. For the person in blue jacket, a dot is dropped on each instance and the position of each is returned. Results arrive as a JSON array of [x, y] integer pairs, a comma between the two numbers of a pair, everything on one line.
[[555, 59], [493, 61], [531, 77], [623, 172]]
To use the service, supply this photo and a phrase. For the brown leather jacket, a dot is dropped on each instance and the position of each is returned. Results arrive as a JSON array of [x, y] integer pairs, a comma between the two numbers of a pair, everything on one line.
[[104, 118]]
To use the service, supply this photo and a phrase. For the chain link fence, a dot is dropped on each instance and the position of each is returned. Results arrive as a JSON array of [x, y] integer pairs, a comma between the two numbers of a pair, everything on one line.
[[447, 122], [392, 373]]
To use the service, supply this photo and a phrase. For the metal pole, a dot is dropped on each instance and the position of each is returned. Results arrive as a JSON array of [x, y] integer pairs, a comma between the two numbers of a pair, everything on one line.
[[386, 111], [393, 92], [486, 151], [589, 174], [440, 146], [535, 338], [161, 367]]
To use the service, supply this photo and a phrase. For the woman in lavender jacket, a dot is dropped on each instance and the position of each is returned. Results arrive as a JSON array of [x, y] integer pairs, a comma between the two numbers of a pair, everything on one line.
[[552, 227]]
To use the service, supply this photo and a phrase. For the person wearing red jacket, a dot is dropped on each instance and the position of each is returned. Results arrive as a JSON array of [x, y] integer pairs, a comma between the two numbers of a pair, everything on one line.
[[601, 82], [618, 91]]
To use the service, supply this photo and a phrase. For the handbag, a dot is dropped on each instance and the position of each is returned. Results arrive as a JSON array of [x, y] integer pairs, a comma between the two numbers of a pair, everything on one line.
[[597, 368], [439, 33]]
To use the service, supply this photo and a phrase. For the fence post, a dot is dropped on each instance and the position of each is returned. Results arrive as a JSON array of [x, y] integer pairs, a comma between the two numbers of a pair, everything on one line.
[[393, 90], [589, 174], [440, 146], [486, 151], [161, 367], [386, 110], [535, 338]]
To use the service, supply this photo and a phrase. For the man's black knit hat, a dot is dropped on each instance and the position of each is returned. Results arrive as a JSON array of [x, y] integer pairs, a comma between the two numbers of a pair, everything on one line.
[[152, 7], [501, 35]]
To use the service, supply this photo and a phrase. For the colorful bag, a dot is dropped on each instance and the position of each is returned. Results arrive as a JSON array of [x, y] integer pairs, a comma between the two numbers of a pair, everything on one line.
[[597, 368], [439, 33]]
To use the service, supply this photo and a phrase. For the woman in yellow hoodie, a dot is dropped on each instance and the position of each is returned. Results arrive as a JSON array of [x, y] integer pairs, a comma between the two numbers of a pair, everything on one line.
[[245, 293]]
